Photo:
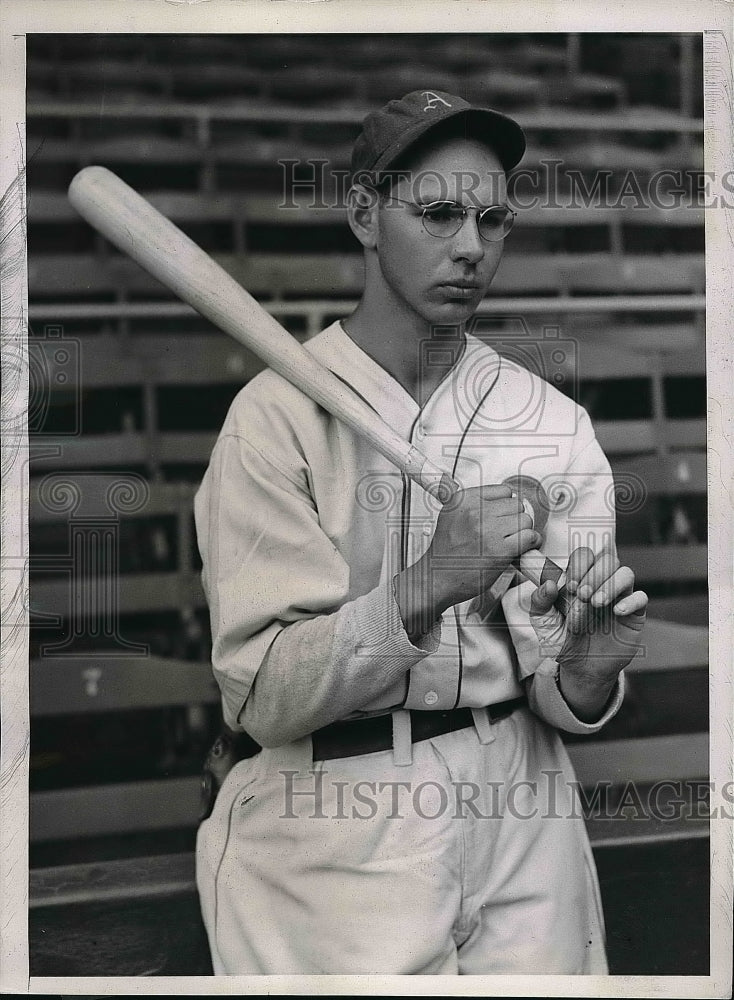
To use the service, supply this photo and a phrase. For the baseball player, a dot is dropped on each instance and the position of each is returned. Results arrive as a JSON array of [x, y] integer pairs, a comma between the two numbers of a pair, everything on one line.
[[412, 809]]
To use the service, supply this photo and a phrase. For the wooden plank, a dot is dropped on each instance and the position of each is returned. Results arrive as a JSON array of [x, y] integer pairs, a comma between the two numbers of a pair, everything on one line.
[[685, 433], [138, 593], [666, 562], [98, 810], [680, 346], [96, 451], [126, 878], [186, 447], [167, 875], [646, 759], [632, 831], [102, 451], [181, 206], [614, 351], [619, 437], [210, 358], [343, 273], [624, 437], [681, 473], [184, 206], [549, 119], [681, 361], [101, 683], [630, 272], [164, 359], [164, 499], [154, 805], [671, 646], [692, 609]]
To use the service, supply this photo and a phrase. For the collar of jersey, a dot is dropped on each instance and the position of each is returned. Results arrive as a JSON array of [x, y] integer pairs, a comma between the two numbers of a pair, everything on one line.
[[336, 349]]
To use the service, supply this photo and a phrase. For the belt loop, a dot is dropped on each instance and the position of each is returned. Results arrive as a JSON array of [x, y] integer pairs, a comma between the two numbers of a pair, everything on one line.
[[482, 725], [402, 738]]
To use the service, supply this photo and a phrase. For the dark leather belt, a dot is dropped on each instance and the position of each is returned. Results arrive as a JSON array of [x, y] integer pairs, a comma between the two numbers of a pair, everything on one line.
[[370, 735], [340, 739]]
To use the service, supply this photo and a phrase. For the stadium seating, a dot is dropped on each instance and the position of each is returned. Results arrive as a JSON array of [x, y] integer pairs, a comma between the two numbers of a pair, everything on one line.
[[199, 124]]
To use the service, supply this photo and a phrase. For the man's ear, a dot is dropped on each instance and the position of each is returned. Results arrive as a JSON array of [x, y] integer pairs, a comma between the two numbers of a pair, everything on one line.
[[362, 207]]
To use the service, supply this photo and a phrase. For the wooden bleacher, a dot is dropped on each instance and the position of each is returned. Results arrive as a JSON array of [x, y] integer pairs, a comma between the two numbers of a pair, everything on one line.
[[112, 889], [88, 682], [83, 915], [341, 275]]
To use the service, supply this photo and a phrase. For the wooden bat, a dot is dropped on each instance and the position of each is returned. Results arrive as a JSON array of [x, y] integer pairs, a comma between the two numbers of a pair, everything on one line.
[[142, 232]]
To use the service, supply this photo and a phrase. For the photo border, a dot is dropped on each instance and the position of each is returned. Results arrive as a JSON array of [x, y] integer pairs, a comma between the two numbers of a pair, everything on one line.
[[19, 17]]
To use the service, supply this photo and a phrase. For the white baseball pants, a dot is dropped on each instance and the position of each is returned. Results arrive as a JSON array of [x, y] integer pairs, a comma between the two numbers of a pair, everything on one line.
[[473, 859]]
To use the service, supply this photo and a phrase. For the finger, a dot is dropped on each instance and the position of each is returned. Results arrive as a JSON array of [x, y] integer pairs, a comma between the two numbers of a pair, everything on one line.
[[522, 541], [578, 617], [578, 564], [543, 598], [633, 604], [605, 565], [505, 505], [620, 584], [512, 524], [495, 492]]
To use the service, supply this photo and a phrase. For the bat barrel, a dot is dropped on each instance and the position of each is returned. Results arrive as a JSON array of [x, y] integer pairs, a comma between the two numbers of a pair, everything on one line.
[[134, 226]]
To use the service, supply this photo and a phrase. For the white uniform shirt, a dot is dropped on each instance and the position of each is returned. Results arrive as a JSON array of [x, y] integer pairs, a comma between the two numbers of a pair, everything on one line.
[[302, 527]]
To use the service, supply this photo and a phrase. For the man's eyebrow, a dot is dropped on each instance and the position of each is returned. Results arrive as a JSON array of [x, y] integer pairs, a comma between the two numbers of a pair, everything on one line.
[[450, 201]]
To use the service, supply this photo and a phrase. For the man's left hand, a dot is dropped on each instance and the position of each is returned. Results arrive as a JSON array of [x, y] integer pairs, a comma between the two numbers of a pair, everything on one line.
[[602, 632]]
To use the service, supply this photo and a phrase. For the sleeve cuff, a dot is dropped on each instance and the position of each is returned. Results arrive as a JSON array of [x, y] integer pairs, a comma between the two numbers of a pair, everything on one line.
[[369, 627], [382, 632], [547, 701]]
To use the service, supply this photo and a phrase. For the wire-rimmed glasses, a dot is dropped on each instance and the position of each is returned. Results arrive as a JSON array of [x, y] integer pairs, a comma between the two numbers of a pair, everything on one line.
[[444, 219]]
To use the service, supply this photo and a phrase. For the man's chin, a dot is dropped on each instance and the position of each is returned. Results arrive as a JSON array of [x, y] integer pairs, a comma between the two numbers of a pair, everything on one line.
[[454, 311]]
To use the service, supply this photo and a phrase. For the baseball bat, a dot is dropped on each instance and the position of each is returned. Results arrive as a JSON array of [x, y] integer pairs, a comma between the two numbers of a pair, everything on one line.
[[142, 232], [133, 225]]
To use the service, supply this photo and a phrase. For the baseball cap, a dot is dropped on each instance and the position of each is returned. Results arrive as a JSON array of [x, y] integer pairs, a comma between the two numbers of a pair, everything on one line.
[[388, 132]]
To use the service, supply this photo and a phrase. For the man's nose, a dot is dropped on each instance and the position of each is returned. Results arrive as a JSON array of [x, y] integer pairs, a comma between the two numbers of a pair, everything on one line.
[[467, 244]]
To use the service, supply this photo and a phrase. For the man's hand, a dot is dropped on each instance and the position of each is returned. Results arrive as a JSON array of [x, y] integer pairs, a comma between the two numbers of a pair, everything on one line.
[[478, 534], [601, 634]]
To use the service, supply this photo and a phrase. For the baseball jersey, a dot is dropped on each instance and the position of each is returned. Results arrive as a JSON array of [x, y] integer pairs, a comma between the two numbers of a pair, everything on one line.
[[302, 527]]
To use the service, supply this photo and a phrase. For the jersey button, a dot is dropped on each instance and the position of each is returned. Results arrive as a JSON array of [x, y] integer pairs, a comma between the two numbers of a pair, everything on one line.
[[430, 697], [419, 432]]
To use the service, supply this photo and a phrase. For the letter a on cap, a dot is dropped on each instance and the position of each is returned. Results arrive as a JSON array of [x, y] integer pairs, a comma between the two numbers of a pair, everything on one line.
[[433, 100]]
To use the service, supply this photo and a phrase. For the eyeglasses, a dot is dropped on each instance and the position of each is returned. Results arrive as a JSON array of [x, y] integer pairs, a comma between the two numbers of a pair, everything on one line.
[[445, 218]]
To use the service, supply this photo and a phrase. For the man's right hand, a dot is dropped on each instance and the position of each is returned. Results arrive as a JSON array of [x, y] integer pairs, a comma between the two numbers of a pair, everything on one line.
[[478, 534]]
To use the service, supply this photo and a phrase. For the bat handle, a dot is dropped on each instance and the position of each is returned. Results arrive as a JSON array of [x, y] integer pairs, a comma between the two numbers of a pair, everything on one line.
[[502, 584], [429, 476], [533, 565], [538, 568]]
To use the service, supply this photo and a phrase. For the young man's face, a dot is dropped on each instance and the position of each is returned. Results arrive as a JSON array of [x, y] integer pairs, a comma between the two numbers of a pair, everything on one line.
[[441, 279]]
